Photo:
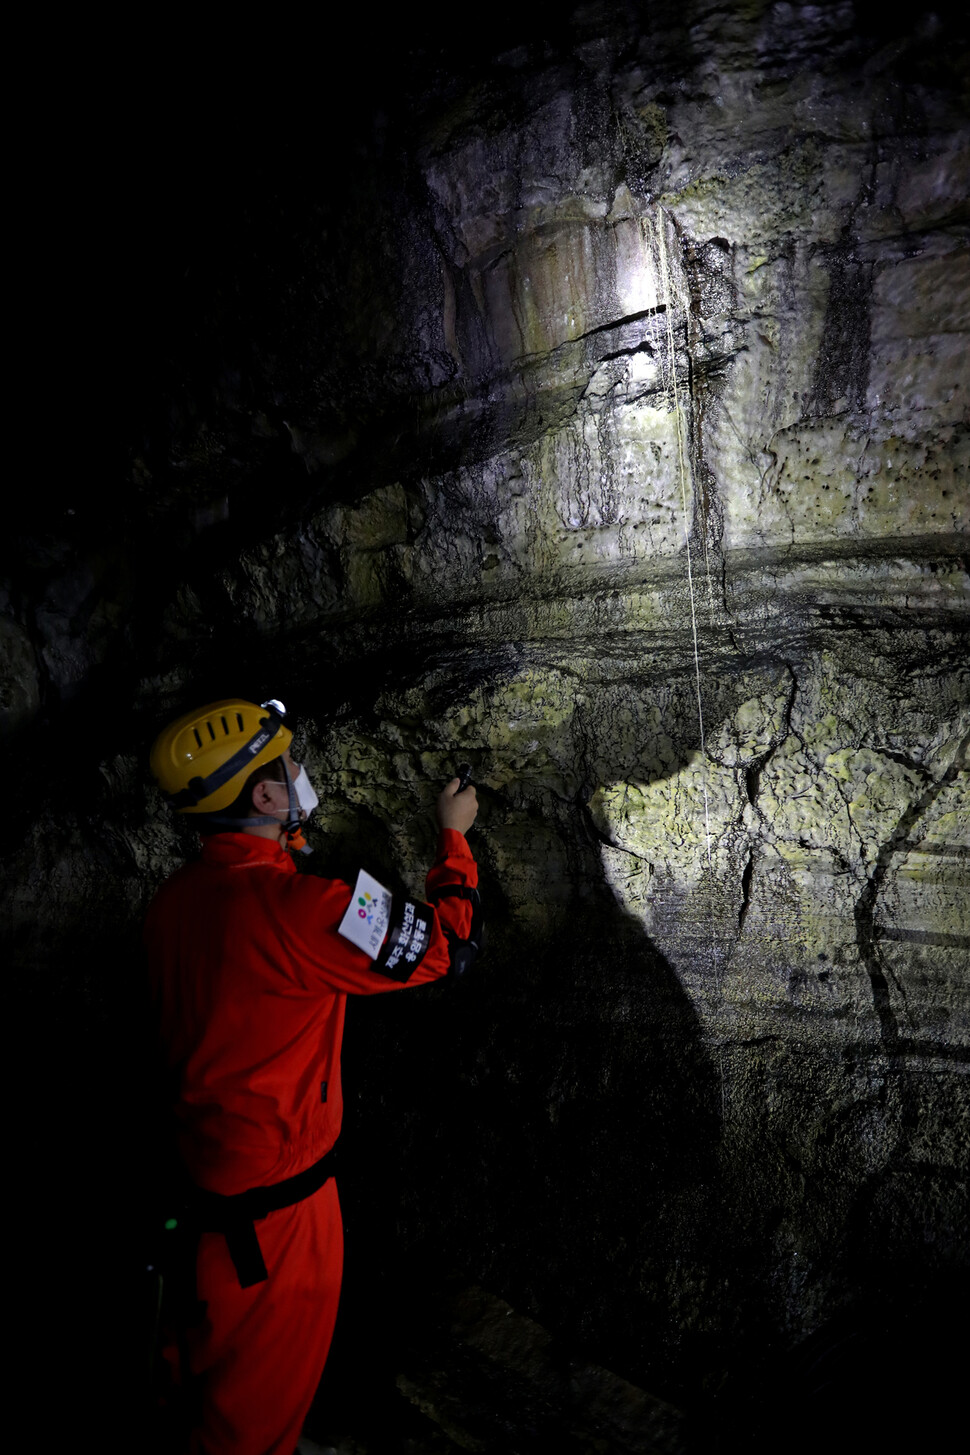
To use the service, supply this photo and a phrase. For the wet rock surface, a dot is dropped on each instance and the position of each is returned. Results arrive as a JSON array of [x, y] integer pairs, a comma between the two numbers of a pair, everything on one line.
[[602, 421]]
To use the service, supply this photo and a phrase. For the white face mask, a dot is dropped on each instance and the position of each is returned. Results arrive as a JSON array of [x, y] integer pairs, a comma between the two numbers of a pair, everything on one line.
[[305, 795]]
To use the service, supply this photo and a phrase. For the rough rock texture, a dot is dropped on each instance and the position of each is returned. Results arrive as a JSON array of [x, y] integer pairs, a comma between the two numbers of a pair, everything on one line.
[[606, 427]]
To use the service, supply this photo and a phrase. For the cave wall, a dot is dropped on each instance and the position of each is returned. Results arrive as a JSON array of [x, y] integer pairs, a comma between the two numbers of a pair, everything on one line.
[[606, 426]]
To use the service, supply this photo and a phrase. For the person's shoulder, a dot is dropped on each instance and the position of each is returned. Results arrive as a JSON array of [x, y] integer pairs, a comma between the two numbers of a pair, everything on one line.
[[311, 902], [316, 887]]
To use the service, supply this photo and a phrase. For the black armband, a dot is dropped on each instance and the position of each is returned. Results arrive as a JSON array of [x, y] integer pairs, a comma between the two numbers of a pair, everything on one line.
[[462, 952], [407, 940]]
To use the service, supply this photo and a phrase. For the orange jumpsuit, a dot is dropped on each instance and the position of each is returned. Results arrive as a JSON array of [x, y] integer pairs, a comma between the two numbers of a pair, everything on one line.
[[250, 978]]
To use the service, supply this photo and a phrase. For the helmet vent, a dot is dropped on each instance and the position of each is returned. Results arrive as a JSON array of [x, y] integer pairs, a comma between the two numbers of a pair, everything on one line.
[[223, 738]]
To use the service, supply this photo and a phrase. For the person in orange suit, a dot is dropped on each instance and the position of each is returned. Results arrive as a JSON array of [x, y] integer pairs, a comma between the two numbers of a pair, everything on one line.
[[250, 966]]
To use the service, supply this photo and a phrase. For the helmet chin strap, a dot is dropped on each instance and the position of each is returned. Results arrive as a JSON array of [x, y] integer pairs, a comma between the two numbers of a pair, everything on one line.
[[295, 837], [292, 826]]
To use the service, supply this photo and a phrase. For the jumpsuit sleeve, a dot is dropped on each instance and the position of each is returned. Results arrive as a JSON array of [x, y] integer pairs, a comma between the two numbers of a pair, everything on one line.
[[329, 958], [453, 865]]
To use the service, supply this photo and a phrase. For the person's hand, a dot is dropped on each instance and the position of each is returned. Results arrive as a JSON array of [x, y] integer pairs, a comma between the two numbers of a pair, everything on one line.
[[456, 810]]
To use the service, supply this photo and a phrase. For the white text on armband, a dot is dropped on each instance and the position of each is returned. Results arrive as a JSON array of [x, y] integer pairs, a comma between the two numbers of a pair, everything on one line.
[[409, 936]]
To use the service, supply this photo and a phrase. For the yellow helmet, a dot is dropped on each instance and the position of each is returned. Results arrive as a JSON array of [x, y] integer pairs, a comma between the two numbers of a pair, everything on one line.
[[202, 760]]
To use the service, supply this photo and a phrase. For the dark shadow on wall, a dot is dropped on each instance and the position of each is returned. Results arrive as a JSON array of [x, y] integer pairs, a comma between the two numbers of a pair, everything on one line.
[[547, 1128]]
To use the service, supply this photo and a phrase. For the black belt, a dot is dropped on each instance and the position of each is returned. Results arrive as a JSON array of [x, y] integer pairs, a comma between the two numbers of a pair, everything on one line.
[[235, 1216]]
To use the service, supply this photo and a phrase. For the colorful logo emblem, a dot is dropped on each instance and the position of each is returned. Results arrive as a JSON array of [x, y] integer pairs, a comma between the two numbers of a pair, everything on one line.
[[367, 904]]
